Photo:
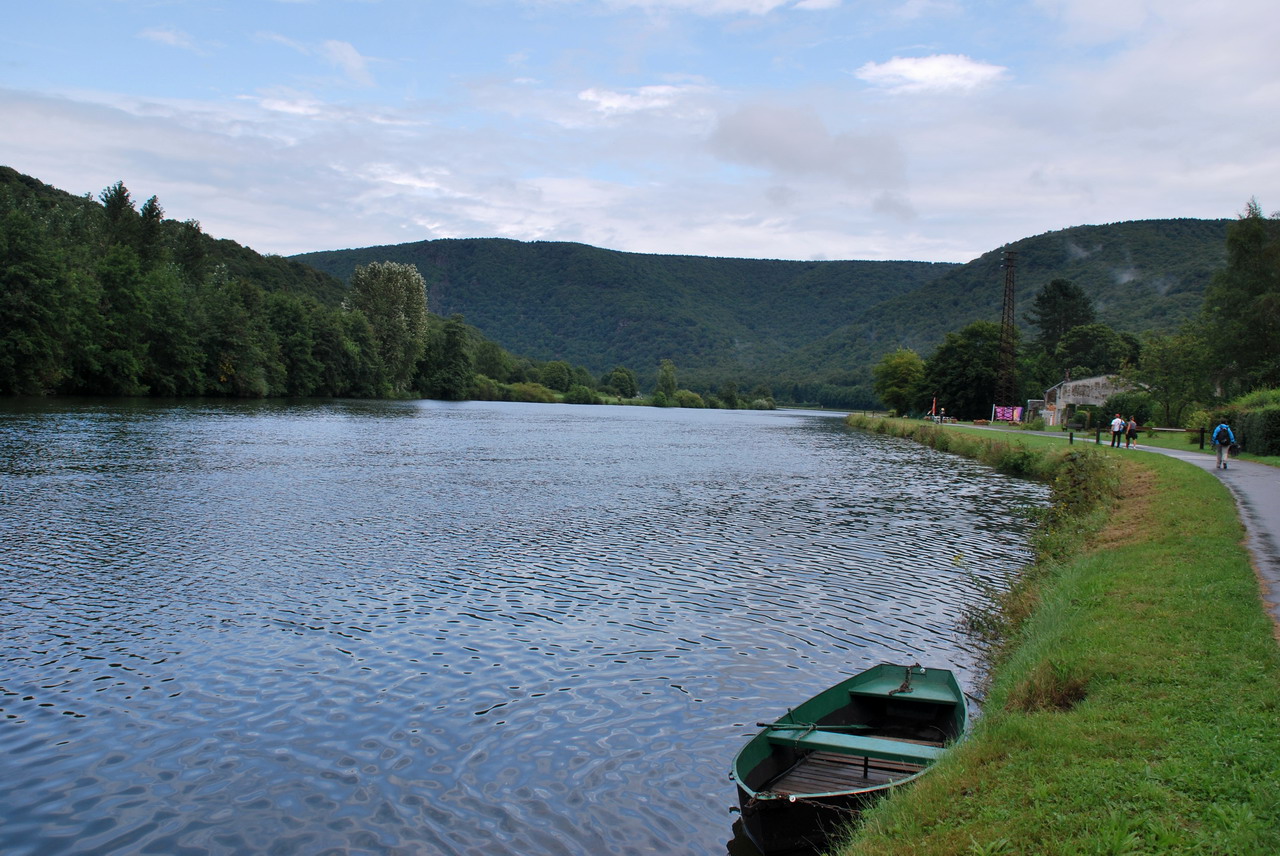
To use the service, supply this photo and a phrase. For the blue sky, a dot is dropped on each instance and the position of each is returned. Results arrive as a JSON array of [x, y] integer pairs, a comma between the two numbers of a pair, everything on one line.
[[931, 130]]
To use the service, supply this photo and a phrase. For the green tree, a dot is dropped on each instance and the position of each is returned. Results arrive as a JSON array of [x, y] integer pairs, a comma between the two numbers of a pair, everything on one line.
[[1242, 306], [557, 375], [150, 235], [127, 315], [1175, 372], [451, 375], [492, 361], [729, 395], [1058, 307], [666, 381], [31, 346], [1097, 347], [120, 215], [962, 371], [623, 381], [291, 320], [897, 379], [393, 297]]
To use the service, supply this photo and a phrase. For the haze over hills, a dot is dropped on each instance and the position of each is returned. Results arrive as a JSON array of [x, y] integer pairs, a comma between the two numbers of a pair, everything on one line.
[[785, 323]]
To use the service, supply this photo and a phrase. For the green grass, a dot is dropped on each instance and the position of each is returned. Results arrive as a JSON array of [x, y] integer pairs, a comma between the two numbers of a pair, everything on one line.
[[1135, 710]]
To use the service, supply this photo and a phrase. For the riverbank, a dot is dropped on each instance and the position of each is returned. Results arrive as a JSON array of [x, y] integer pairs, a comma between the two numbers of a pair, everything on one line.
[[1134, 709]]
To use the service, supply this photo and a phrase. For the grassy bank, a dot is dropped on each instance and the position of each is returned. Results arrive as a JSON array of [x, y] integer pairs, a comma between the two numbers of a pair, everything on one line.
[[1135, 709]]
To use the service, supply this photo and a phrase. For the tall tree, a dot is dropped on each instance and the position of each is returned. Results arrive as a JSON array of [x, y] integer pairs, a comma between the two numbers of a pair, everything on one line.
[[1096, 347], [666, 382], [1174, 371], [393, 297], [962, 371], [898, 376], [31, 346], [452, 371], [623, 380], [121, 216], [1057, 307], [1242, 305]]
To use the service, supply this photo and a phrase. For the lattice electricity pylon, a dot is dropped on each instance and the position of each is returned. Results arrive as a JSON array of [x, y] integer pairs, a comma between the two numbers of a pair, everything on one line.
[[1007, 367]]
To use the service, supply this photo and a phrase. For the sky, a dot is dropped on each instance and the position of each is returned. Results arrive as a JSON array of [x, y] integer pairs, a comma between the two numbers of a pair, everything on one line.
[[928, 130]]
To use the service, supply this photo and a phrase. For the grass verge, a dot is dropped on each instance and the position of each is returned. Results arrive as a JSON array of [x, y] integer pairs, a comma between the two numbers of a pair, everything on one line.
[[1134, 708]]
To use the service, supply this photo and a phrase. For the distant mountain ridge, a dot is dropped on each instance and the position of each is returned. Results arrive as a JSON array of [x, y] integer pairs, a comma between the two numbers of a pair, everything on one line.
[[785, 322]]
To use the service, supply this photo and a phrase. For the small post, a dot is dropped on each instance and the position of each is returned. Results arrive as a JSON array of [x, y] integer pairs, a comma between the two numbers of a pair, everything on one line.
[[1202, 439], [1071, 438]]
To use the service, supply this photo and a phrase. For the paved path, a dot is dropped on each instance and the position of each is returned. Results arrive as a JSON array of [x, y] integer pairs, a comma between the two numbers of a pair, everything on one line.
[[1256, 488]]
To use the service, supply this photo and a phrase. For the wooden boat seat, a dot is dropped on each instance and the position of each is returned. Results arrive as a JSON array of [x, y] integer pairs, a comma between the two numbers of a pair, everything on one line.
[[855, 744]]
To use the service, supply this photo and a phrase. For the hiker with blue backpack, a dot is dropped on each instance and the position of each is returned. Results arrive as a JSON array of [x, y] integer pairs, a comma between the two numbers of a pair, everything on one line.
[[1222, 440]]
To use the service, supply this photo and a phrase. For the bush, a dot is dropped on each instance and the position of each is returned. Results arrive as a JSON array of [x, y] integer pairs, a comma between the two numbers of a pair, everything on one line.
[[532, 392], [1259, 431], [688, 398], [1198, 420], [579, 394]]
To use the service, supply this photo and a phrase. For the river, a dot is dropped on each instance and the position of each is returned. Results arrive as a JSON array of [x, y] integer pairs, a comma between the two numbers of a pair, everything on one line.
[[428, 628]]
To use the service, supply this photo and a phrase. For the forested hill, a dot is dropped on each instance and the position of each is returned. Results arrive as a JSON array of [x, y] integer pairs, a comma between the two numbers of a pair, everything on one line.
[[786, 323], [719, 319], [1141, 275]]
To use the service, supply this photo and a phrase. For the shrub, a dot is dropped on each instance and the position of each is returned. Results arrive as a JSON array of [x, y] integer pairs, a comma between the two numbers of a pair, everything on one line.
[[688, 398], [579, 394], [532, 392], [1259, 431], [1198, 420]]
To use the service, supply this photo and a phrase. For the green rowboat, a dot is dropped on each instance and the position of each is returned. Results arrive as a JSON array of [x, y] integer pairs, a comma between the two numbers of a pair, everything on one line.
[[808, 774]]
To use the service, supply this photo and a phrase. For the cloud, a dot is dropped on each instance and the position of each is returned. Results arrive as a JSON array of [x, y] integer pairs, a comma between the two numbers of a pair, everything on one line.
[[794, 141], [341, 55], [937, 73], [345, 57], [639, 100], [172, 37]]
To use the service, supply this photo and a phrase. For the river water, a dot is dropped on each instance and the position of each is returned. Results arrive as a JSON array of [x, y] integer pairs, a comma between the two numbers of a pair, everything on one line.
[[428, 628]]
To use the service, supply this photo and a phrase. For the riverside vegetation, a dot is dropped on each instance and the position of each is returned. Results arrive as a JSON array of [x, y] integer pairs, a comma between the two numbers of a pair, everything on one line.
[[1136, 676], [99, 297]]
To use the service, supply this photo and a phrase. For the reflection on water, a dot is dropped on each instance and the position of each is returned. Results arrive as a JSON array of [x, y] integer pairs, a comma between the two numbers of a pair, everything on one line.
[[420, 628]]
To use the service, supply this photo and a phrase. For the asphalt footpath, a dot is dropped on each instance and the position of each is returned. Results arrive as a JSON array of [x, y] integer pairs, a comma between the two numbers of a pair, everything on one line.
[[1256, 488]]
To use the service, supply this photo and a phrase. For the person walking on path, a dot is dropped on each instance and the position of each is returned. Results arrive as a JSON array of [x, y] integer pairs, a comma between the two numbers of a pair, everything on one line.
[[1131, 433], [1222, 440], [1117, 431]]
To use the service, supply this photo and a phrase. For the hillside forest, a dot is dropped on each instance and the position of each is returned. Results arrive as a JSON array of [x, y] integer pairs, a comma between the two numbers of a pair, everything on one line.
[[104, 296], [1229, 349]]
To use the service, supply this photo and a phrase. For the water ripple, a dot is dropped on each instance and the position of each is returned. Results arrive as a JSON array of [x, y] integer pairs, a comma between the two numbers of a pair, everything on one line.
[[415, 628]]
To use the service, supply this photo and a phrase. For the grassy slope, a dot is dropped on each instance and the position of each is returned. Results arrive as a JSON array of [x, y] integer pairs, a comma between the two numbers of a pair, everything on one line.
[[1172, 748]]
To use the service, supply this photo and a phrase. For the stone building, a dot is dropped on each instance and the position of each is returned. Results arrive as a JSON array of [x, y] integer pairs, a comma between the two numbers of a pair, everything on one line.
[[1061, 399]]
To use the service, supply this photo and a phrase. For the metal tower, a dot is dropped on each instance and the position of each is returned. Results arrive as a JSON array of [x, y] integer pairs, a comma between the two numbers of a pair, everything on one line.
[[1007, 367]]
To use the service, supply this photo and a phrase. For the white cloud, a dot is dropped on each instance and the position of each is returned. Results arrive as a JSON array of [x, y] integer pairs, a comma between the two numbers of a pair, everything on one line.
[[345, 57], [937, 73], [642, 99], [172, 37]]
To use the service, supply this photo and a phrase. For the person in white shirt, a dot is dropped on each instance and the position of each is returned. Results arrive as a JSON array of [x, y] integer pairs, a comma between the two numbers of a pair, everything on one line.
[[1117, 431]]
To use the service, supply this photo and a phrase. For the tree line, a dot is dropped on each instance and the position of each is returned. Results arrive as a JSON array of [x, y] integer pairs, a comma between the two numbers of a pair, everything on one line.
[[1230, 347], [105, 297]]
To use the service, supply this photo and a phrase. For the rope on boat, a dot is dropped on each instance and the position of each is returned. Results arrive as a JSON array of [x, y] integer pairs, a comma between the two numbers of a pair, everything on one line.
[[906, 681]]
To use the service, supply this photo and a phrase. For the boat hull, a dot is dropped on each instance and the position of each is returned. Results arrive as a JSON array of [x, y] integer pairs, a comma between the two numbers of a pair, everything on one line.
[[810, 774]]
